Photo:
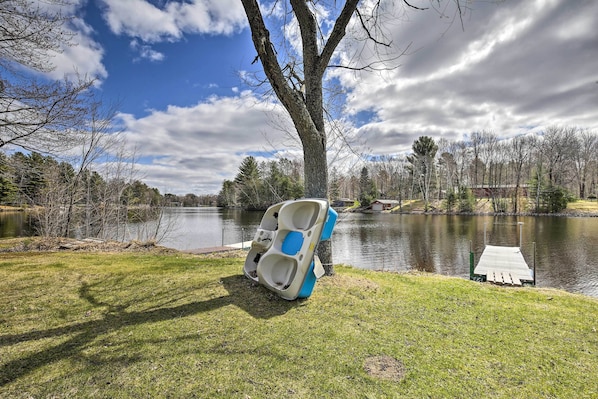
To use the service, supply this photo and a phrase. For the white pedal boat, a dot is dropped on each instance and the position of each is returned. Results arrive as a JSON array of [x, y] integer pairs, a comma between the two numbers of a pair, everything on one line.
[[282, 255]]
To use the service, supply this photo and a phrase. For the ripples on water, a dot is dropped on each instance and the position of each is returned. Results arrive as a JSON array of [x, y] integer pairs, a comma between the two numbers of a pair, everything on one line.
[[566, 249]]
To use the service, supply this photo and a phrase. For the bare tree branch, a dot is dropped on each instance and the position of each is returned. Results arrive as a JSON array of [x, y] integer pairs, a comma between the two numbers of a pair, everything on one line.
[[414, 7], [29, 34], [260, 35], [373, 66], [36, 115], [368, 32], [338, 32]]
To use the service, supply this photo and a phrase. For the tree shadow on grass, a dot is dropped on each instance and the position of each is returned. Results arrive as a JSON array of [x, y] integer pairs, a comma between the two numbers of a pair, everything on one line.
[[243, 293]]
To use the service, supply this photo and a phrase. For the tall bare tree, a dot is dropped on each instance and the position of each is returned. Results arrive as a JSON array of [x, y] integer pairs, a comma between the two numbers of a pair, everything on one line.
[[98, 139], [476, 143], [302, 96], [35, 113], [522, 151], [558, 149], [585, 155]]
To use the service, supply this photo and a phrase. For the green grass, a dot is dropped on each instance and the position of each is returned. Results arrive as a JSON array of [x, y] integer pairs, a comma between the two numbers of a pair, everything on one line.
[[138, 325], [583, 206], [409, 206]]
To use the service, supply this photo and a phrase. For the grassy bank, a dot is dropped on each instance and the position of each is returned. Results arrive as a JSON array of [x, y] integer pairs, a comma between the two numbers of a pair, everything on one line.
[[484, 206], [130, 325]]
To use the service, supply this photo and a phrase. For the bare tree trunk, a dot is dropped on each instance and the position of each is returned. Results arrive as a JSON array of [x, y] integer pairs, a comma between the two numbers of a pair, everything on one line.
[[585, 150], [316, 186]]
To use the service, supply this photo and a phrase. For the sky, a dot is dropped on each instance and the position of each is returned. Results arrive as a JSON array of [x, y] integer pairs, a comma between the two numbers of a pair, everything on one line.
[[180, 72]]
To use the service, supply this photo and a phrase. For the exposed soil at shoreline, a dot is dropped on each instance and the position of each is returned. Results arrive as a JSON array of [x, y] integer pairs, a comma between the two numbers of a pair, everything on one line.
[[42, 244]]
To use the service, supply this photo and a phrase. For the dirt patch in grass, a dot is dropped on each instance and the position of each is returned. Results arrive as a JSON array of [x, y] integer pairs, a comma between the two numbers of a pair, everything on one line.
[[233, 254], [385, 367], [345, 281]]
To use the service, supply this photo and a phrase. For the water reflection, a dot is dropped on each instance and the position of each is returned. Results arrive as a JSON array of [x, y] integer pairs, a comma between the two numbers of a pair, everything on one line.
[[566, 248], [209, 227], [15, 224]]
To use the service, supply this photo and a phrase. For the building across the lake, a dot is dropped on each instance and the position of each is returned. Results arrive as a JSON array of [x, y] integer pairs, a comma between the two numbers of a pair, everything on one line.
[[343, 203], [384, 204]]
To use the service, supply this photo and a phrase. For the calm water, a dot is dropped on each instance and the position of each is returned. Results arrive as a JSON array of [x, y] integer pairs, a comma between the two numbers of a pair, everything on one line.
[[566, 248]]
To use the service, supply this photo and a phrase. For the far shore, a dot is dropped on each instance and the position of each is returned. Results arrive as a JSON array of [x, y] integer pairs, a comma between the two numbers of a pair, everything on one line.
[[483, 207]]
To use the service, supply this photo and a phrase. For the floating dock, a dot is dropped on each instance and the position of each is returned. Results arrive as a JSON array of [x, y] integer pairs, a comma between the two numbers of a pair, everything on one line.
[[503, 265]]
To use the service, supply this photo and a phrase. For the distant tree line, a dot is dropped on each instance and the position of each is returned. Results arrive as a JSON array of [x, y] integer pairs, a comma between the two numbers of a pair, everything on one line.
[[190, 200], [536, 173], [70, 200], [259, 185], [528, 173]]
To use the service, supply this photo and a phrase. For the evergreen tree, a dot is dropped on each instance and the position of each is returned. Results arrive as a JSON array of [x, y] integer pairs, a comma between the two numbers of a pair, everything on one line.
[[550, 198], [422, 161], [248, 184], [367, 188], [227, 196], [8, 190], [29, 176], [466, 200]]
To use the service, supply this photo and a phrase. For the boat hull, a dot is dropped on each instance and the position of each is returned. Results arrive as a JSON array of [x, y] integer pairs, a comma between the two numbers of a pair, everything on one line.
[[282, 254]]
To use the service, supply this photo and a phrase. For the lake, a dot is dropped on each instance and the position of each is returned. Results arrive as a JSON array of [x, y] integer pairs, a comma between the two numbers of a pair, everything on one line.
[[566, 248]]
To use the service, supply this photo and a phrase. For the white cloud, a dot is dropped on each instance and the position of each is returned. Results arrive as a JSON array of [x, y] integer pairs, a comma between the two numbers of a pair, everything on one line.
[[522, 64], [138, 18], [146, 52], [84, 59], [210, 16], [150, 23], [85, 55], [193, 149]]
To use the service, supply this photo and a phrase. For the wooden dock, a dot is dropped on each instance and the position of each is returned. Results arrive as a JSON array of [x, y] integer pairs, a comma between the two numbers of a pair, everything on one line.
[[503, 265]]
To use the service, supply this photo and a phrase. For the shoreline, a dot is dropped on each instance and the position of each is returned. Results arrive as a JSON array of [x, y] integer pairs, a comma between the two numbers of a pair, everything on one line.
[[571, 213], [580, 208], [417, 211]]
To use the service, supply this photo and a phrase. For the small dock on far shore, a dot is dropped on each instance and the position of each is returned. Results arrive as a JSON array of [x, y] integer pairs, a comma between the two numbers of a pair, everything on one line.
[[503, 265]]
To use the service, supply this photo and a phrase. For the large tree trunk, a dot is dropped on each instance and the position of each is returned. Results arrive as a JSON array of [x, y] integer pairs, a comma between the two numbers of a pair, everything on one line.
[[316, 184], [305, 108]]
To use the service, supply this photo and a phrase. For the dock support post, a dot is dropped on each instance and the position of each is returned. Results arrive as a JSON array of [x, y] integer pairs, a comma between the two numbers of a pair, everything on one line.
[[223, 236], [520, 233], [485, 223], [534, 264], [471, 262]]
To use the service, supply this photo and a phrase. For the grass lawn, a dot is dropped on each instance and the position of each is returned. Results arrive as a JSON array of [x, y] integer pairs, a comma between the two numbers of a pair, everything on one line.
[[584, 206], [143, 325]]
